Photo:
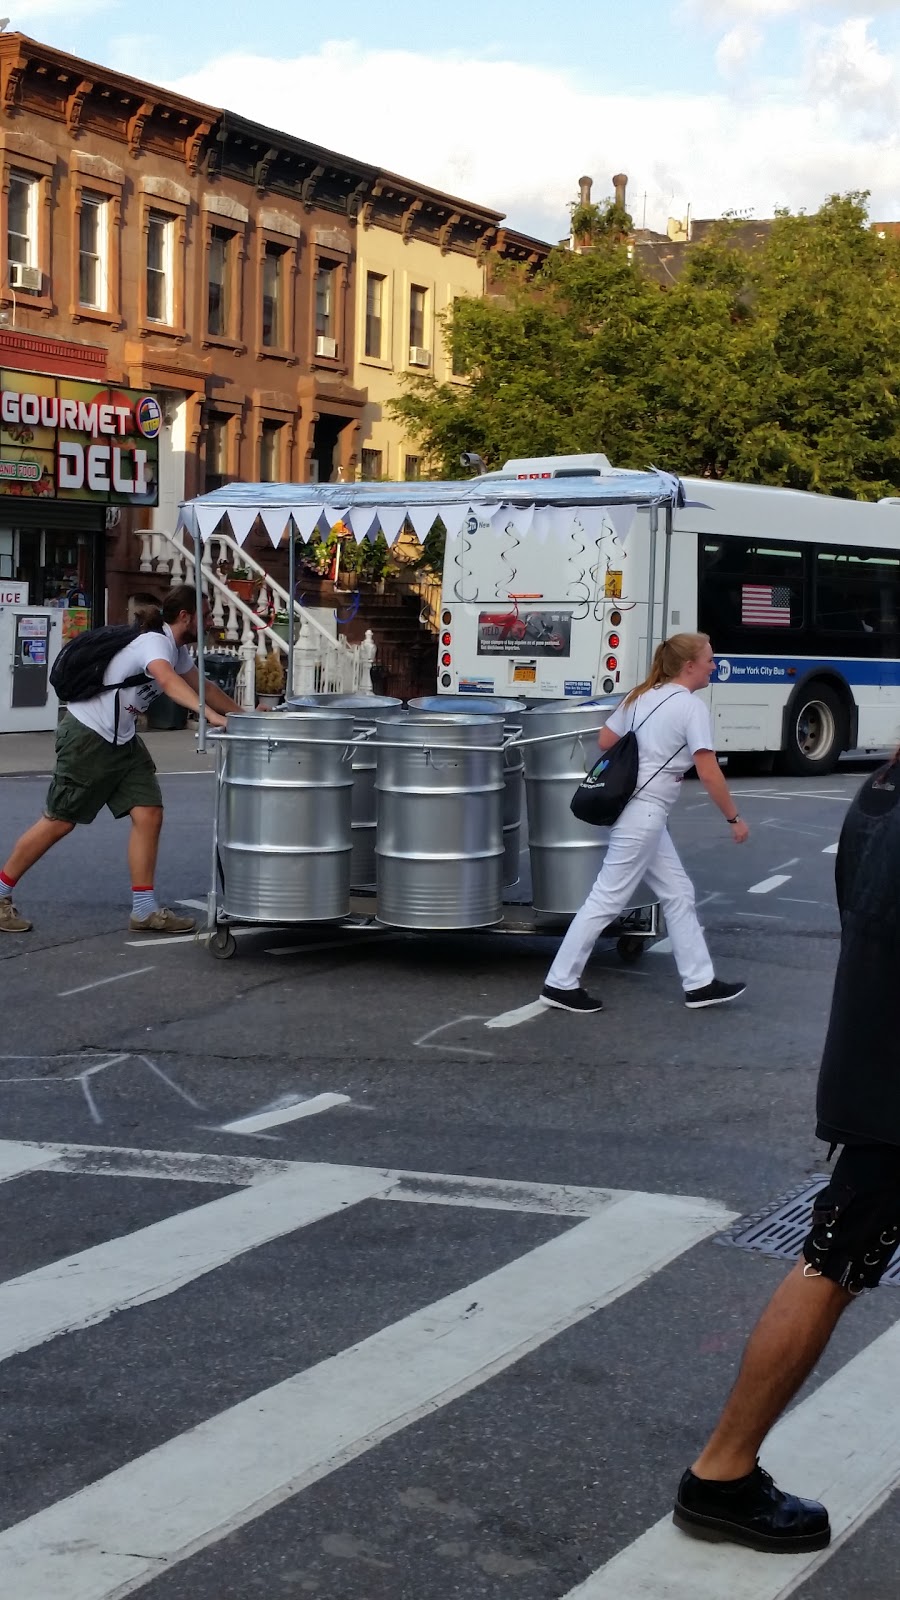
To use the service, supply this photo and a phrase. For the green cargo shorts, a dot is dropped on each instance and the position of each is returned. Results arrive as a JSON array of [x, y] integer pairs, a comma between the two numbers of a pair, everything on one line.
[[92, 773]]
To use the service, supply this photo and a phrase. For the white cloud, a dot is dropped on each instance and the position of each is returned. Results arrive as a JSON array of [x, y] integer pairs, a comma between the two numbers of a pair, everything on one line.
[[517, 137], [736, 48], [728, 11], [68, 10], [847, 67]]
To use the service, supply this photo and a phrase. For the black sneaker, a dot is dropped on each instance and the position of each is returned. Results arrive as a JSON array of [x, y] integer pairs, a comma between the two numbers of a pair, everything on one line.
[[750, 1511], [570, 1000], [716, 993]]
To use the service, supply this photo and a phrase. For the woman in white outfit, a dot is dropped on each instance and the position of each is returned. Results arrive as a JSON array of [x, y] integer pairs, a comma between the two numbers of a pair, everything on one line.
[[674, 733]]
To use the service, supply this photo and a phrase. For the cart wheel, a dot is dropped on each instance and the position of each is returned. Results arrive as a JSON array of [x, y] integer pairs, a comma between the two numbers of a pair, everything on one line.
[[630, 949], [223, 944]]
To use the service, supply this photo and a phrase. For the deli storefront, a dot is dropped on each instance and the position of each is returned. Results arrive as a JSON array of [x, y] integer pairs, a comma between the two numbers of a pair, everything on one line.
[[72, 454]]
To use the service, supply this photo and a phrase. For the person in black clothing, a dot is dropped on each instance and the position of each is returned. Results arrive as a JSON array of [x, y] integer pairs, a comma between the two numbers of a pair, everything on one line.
[[856, 1217]]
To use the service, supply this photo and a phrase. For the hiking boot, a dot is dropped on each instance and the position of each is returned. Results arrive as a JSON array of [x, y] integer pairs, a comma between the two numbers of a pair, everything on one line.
[[716, 993], [570, 1000], [751, 1511], [162, 921], [10, 921]]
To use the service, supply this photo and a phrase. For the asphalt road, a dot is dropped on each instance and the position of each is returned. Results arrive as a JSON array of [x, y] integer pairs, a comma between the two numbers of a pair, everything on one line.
[[319, 1280]]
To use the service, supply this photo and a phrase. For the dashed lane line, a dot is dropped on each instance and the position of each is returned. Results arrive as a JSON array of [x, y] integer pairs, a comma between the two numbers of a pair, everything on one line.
[[285, 1113], [117, 977], [830, 850], [768, 884]]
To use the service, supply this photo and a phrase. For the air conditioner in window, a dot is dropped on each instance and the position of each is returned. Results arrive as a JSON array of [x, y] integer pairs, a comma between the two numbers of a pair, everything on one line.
[[419, 357], [326, 347], [22, 277]]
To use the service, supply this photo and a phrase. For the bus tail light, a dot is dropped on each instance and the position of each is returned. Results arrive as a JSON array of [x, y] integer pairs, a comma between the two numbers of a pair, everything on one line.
[[446, 659], [615, 618], [613, 641], [445, 638], [611, 663]]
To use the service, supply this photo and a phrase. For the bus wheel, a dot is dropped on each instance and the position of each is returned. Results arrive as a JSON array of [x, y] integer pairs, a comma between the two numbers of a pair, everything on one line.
[[817, 732]]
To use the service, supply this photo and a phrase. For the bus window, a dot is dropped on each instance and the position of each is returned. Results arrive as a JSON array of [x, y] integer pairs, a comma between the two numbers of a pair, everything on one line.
[[858, 593], [751, 593]]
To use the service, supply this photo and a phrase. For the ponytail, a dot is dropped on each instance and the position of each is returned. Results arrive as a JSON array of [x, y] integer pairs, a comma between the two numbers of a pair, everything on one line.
[[669, 658]]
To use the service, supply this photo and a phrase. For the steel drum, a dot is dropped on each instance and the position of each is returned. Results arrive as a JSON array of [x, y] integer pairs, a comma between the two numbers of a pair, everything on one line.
[[489, 705], [566, 854], [364, 708]]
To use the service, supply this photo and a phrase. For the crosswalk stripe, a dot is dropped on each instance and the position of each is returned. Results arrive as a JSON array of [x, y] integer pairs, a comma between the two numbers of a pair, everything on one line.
[[109, 1539], [154, 1261], [17, 1159], [841, 1446]]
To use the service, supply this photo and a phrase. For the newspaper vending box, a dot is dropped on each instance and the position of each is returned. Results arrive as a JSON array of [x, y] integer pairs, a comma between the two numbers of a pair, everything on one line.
[[30, 640]]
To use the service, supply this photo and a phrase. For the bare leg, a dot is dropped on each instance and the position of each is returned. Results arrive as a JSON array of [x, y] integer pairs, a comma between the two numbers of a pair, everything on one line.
[[32, 845], [781, 1353], [143, 844]]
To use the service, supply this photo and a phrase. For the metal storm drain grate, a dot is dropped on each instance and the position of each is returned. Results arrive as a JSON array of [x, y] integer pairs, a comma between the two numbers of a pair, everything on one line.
[[781, 1228]]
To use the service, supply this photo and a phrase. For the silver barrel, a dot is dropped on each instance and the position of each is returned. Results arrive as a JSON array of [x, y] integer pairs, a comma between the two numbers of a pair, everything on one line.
[[284, 826], [566, 854], [364, 708], [490, 705], [439, 843]]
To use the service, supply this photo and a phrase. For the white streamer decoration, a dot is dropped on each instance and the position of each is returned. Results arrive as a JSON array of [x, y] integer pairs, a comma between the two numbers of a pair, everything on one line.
[[422, 518], [208, 519], [391, 519], [454, 519], [361, 520], [275, 520], [542, 524], [242, 519], [620, 519], [306, 519], [522, 518]]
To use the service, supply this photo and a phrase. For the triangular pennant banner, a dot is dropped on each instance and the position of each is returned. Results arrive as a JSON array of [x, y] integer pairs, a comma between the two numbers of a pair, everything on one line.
[[591, 520], [522, 517], [208, 519], [542, 524], [187, 519], [275, 520], [391, 519], [362, 520], [454, 519], [422, 518], [562, 525], [242, 519], [306, 519], [621, 519]]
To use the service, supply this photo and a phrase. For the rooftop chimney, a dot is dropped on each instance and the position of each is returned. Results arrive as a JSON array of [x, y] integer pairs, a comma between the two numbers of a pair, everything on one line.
[[585, 185], [620, 184]]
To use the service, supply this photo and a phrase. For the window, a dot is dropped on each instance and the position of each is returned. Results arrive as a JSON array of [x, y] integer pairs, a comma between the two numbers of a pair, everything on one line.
[[325, 301], [270, 453], [418, 303], [858, 593], [273, 297], [92, 251], [751, 592], [159, 268], [6, 553], [218, 287], [374, 314], [411, 465], [21, 236], [371, 463], [216, 450]]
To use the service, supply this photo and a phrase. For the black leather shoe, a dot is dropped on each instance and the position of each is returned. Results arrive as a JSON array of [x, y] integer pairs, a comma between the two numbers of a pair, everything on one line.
[[750, 1511]]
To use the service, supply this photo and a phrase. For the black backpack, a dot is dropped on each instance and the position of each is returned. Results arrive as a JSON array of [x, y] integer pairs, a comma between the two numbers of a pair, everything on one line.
[[603, 795], [77, 673]]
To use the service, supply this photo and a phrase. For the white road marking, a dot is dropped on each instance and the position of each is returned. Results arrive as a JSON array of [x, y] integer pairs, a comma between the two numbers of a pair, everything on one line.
[[662, 947], [187, 1166], [109, 1539], [152, 1262], [830, 850], [288, 1113], [795, 794], [16, 1159], [511, 1019], [500, 1194], [116, 978], [194, 905], [457, 1049], [768, 884], [200, 936], [762, 916], [782, 864], [841, 1445]]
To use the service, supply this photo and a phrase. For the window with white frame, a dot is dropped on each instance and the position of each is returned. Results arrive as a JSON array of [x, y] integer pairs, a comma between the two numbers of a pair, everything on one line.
[[160, 297], [22, 220], [325, 302], [374, 315], [7, 541], [92, 251], [218, 288], [273, 267], [418, 307]]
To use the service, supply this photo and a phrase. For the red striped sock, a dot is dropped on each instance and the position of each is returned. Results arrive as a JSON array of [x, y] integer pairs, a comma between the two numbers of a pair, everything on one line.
[[7, 884]]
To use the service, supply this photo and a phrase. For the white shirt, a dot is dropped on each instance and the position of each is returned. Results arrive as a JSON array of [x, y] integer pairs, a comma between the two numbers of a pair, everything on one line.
[[99, 714], [676, 717]]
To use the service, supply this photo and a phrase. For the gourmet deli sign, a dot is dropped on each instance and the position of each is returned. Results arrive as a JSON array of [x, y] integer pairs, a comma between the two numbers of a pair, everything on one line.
[[65, 440]]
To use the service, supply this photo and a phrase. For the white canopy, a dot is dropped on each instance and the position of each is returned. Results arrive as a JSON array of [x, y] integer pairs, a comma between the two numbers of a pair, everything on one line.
[[540, 505]]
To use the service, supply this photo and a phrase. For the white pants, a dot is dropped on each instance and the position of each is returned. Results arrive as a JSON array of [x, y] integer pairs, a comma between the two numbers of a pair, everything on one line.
[[640, 849]]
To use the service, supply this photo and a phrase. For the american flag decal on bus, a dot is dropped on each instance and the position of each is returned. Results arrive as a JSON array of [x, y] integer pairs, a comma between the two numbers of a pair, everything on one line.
[[765, 606]]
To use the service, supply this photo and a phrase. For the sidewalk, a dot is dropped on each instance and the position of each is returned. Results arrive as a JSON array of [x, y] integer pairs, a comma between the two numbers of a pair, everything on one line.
[[31, 754]]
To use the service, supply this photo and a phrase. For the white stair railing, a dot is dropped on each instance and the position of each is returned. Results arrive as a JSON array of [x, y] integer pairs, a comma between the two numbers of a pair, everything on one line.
[[323, 664]]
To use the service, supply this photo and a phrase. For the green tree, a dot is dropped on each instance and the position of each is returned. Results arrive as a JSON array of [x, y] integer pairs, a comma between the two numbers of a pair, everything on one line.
[[777, 366]]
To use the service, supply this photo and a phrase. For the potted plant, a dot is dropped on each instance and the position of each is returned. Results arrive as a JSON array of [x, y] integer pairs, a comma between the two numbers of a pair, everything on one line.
[[242, 583], [269, 680]]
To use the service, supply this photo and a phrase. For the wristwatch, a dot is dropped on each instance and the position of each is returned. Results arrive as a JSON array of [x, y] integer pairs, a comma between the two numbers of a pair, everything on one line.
[[732, 820]]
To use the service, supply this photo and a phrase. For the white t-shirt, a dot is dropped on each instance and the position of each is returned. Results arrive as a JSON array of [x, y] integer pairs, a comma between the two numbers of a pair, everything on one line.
[[678, 717], [99, 714]]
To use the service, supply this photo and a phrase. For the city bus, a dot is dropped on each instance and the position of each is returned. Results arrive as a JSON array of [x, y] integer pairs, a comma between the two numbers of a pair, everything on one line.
[[799, 593]]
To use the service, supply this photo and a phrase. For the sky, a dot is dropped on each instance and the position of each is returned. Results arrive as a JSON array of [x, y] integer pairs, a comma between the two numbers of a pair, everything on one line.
[[709, 106]]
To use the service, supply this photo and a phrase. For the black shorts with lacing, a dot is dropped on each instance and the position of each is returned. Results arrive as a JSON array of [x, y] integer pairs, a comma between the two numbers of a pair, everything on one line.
[[856, 1218]]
